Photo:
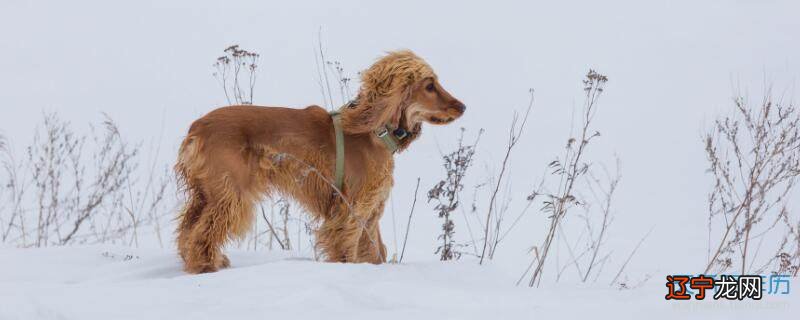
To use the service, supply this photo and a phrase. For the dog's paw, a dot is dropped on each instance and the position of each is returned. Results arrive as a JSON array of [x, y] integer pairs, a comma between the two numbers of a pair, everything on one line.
[[224, 262], [201, 268]]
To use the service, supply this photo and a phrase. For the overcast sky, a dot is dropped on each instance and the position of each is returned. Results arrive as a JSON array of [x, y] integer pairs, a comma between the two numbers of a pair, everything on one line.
[[673, 66]]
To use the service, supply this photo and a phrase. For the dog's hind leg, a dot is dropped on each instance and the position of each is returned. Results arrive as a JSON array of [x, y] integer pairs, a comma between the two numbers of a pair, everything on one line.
[[221, 220], [228, 214]]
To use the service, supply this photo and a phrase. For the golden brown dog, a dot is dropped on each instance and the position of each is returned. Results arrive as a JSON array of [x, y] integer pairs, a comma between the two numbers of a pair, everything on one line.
[[236, 155]]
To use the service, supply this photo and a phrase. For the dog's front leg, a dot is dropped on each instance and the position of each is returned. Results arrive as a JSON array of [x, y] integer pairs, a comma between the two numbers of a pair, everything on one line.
[[370, 246], [351, 233], [353, 238], [375, 250], [339, 237]]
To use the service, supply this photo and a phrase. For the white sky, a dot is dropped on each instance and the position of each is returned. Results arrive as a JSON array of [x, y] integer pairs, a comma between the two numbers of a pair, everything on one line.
[[673, 65]]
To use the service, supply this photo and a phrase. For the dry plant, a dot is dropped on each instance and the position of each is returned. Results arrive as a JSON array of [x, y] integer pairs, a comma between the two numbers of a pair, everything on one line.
[[447, 194], [236, 72], [603, 194], [568, 169], [754, 158], [12, 215], [591, 259], [408, 224], [341, 79], [474, 213], [327, 69], [283, 211], [491, 229], [2, 204], [788, 258], [281, 234], [146, 202], [62, 212], [63, 194], [623, 284], [322, 73]]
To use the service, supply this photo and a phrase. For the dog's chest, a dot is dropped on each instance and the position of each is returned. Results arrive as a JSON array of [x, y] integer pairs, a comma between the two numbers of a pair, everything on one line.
[[376, 187]]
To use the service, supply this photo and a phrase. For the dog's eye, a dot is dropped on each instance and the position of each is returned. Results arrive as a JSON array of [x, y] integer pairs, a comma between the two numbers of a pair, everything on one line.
[[430, 87]]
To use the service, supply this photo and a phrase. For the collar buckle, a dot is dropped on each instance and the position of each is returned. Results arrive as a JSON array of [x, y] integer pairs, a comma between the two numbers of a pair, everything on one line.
[[382, 132]]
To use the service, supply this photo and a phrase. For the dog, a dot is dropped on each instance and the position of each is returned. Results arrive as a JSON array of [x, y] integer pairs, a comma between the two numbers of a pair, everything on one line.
[[235, 156]]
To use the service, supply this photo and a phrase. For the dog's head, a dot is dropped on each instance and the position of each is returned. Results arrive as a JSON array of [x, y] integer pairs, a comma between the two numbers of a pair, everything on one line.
[[402, 91], [432, 104]]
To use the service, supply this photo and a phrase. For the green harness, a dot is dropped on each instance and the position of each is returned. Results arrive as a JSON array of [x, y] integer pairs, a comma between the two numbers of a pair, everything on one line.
[[391, 139]]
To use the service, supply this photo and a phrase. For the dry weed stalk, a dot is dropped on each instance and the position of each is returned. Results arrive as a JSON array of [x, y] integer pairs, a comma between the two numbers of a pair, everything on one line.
[[336, 69], [284, 244], [754, 157], [623, 285], [447, 193], [491, 230], [603, 195], [788, 257], [235, 63], [408, 224], [569, 170], [596, 223], [16, 185], [77, 196]]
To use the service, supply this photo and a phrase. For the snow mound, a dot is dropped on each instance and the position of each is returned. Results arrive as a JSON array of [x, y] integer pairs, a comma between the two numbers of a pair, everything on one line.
[[102, 282]]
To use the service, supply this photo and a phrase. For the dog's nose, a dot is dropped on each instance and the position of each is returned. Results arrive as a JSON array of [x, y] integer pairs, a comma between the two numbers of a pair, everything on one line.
[[460, 107]]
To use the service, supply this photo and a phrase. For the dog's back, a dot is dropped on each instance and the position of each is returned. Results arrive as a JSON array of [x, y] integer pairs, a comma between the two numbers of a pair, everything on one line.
[[228, 161]]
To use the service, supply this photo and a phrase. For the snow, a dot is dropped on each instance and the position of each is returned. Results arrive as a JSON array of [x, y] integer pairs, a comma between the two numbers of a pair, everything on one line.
[[107, 282], [673, 67]]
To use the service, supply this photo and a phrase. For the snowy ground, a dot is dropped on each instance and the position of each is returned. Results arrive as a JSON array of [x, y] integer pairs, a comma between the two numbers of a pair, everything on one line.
[[102, 282]]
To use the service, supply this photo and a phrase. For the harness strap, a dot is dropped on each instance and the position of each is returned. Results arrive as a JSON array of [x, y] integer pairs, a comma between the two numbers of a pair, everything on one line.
[[391, 139], [339, 133]]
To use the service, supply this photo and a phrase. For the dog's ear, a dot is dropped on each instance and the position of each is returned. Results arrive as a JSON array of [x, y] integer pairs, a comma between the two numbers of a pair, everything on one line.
[[378, 104], [394, 116], [397, 104]]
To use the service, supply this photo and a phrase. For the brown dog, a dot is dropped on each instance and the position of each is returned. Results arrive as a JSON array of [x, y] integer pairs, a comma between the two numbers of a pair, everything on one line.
[[234, 156]]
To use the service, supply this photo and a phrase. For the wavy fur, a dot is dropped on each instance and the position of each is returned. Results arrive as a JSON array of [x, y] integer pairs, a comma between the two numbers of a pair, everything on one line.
[[234, 156]]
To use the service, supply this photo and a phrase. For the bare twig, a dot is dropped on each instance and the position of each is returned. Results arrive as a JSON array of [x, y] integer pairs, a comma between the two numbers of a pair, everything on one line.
[[271, 229], [622, 268], [408, 224], [754, 157], [606, 210], [570, 169], [514, 135]]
